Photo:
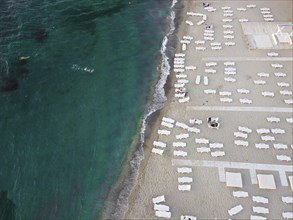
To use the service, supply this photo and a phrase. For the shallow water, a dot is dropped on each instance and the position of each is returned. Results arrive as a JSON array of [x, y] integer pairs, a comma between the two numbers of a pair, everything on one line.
[[68, 121]]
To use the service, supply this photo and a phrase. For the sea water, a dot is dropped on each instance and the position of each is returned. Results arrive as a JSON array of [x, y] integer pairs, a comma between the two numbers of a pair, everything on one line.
[[76, 77]]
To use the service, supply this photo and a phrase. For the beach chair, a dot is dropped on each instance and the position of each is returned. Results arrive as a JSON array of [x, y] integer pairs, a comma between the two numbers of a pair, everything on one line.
[[240, 194], [226, 100], [260, 199], [235, 210], [262, 146], [260, 210], [159, 199]]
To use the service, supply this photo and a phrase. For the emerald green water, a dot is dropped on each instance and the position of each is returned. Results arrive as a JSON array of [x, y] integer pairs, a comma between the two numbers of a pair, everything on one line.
[[67, 129]]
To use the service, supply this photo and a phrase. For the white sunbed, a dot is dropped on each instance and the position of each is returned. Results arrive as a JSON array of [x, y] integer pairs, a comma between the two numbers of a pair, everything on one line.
[[183, 81], [182, 136], [184, 47], [202, 141], [200, 48], [179, 144], [159, 144], [244, 129], [209, 38], [230, 72], [243, 91], [181, 76], [263, 74], [208, 34], [227, 20], [209, 31], [181, 58], [241, 20], [226, 7], [195, 121], [184, 187], [241, 9], [164, 132], [269, 19], [187, 38], [180, 95], [241, 143], [160, 207], [200, 22], [215, 44], [216, 145], [163, 214], [179, 55], [230, 43], [260, 199], [287, 215], [235, 210], [265, 9], [218, 154], [263, 131], [251, 6], [185, 180], [277, 131], [272, 54], [288, 101], [166, 124], [230, 79], [216, 48], [181, 125], [210, 64], [268, 16], [227, 26], [197, 80], [285, 92], [228, 36], [228, 32], [178, 62], [230, 68], [184, 100], [283, 158], [226, 100], [277, 65], [240, 134], [240, 194], [225, 93], [199, 42], [190, 67], [210, 71], [159, 199], [283, 84], [178, 70], [180, 153], [193, 129], [189, 22], [184, 170], [179, 85], [210, 91], [157, 151], [267, 138], [168, 120], [259, 82], [185, 41], [265, 12], [287, 199], [178, 66], [228, 15], [205, 80], [262, 146], [289, 120], [279, 146], [280, 74], [260, 210], [257, 217], [268, 94], [203, 149]]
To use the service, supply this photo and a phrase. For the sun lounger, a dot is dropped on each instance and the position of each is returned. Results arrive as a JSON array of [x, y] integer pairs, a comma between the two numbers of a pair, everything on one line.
[[179, 85], [210, 64], [180, 153], [265, 9], [180, 95], [168, 120], [268, 16], [269, 19], [218, 154], [251, 6], [285, 92], [241, 143], [181, 58], [184, 187], [164, 132], [228, 32], [265, 12], [267, 138], [216, 48], [235, 210], [181, 125], [277, 65], [283, 84], [210, 70], [259, 82], [241, 20], [193, 129], [178, 66], [183, 81], [226, 100], [189, 22], [280, 146], [245, 101], [230, 79], [202, 141], [230, 69], [260, 210], [184, 47], [230, 73], [228, 36], [268, 94], [280, 74], [159, 199], [163, 214], [260, 199], [263, 74], [215, 44], [209, 31], [166, 124], [230, 43], [176, 62], [288, 101], [184, 100], [244, 129], [182, 136], [187, 217], [184, 170], [243, 91], [257, 217], [185, 180], [185, 41], [283, 158], [180, 76], [187, 38], [227, 26], [216, 145], [240, 134], [209, 38], [227, 20], [197, 80], [190, 67], [241, 9], [205, 80], [195, 121], [289, 120], [208, 34], [262, 146], [203, 150], [263, 131], [178, 70], [199, 42], [159, 144], [287, 199], [226, 7], [157, 151], [200, 22], [287, 215], [228, 15], [200, 48], [272, 54], [225, 93], [240, 194], [210, 91], [160, 207], [179, 144], [277, 131], [179, 55]]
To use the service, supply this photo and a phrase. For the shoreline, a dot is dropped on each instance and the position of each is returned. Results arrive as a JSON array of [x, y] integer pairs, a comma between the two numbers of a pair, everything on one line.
[[121, 196]]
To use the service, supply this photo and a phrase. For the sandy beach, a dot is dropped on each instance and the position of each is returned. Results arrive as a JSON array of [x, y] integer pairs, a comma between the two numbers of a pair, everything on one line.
[[230, 76]]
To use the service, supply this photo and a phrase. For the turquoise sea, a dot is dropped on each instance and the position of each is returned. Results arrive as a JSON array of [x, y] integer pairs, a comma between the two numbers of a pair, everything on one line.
[[75, 80]]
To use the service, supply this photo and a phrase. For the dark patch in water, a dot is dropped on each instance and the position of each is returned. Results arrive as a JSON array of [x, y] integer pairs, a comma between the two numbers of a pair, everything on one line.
[[7, 207], [9, 85], [24, 71], [40, 35]]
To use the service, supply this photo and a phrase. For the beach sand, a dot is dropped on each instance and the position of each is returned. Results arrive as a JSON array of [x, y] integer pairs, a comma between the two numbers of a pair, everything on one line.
[[209, 197]]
